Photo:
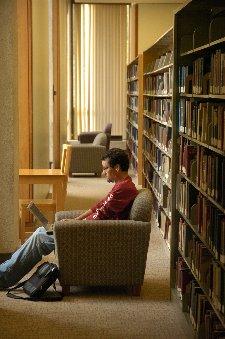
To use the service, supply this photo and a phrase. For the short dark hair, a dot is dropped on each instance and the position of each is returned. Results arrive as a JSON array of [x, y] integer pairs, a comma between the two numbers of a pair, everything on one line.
[[117, 156]]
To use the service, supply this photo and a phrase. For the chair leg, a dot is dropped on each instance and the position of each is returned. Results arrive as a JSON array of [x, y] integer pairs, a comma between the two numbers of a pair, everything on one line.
[[65, 290], [135, 290]]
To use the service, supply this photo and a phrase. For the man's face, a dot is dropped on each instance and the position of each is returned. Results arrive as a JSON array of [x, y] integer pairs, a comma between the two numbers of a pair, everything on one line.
[[109, 172]]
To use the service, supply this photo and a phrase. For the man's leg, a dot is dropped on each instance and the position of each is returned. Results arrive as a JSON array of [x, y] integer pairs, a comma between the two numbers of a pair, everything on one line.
[[26, 257]]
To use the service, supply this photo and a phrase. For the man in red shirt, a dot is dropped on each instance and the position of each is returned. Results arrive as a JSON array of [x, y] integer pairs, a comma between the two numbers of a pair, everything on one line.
[[116, 205]]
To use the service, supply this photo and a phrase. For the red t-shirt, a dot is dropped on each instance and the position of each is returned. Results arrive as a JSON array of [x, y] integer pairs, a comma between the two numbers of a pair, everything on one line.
[[117, 204]]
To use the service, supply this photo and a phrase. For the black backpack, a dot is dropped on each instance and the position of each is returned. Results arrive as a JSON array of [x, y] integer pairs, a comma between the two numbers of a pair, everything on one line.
[[37, 285]]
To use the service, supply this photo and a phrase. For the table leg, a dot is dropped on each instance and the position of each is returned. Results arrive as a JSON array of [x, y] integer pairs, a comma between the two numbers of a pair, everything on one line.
[[58, 195]]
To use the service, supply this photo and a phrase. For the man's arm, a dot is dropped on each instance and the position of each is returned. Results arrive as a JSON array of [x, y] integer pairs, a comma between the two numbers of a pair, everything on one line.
[[84, 215], [80, 217]]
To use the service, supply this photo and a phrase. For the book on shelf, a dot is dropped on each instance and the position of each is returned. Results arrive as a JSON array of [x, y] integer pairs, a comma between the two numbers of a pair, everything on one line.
[[217, 79], [185, 79], [188, 159], [195, 292]]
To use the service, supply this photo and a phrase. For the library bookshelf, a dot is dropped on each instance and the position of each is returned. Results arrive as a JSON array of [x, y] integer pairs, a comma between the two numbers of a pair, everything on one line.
[[157, 128], [134, 114], [198, 174]]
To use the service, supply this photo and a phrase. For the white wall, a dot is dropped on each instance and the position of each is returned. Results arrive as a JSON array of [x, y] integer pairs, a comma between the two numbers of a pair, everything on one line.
[[40, 42], [64, 97], [153, 21]]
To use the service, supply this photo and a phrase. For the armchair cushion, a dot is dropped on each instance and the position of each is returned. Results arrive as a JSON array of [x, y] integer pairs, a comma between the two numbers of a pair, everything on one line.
[[86, 158], [87, 137], [108, 128], [100, 139]]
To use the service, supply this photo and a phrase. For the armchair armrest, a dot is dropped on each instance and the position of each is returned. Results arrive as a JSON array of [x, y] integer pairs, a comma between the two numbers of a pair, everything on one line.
[[73, 142], [67, 214], [87, 137]]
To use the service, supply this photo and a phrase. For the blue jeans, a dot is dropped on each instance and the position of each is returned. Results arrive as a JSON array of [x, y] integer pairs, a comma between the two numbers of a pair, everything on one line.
[[26, 257]]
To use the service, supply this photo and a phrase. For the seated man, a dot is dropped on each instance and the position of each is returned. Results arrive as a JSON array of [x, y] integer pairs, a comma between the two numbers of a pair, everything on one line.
[[116, 205]]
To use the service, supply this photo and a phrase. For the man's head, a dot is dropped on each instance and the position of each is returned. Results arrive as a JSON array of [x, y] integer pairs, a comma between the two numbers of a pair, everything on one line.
[[115, 164]]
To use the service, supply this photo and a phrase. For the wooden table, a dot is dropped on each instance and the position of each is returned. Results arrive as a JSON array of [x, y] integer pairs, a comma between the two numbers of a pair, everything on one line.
[[54, 177]]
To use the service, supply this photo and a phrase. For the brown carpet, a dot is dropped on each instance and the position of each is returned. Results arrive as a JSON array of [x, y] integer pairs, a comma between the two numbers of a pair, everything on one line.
[[101, 313]]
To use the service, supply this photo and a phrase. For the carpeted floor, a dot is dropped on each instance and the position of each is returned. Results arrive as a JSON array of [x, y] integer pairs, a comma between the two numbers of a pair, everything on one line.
[[101, 313]]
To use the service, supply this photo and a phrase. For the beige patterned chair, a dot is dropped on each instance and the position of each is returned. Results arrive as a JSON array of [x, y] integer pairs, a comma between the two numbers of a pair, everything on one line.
[[104, 252], [86, 158], [88, 137]]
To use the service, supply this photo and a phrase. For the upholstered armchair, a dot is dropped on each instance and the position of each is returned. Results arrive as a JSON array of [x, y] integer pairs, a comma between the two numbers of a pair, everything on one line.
[[88, 137], [104, 252], [86, 158]]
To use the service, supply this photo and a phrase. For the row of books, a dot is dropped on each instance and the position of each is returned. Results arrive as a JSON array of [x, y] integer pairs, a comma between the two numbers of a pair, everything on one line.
[[133, 132], [132, 87], [162, 220], [194, 78], [204, 75], [132, 116], [209, 223], [160, 161], [134, 163], [161, 191], [183, 84], [159, 133], [160, 109], [203, 121], [132, 146], [186, 197], [195, 302], [208, 272], [160, 84], [132, 102], [163, 203], [132, 71], [204, 168], [164, 60], [200, 76], [217, 77], [164, 225]]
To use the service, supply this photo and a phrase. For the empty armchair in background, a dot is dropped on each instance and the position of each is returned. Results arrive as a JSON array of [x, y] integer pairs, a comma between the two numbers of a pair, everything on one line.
[[88, 137], [86, 158], [104, 252]]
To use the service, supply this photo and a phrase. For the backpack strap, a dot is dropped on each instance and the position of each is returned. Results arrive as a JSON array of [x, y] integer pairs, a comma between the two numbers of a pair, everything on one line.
[[47, 295], [14, 296]]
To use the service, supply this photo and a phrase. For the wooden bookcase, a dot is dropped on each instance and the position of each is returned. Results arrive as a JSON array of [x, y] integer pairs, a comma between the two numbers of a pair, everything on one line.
[[157, 128], [134, 114], [198, 169]]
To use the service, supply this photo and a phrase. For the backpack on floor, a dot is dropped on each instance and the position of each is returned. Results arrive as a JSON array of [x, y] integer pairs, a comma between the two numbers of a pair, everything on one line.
[[37, 285]]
